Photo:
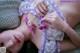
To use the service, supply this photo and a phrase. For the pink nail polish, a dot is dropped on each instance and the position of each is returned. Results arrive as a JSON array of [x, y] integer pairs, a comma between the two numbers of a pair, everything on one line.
[[42, 27]]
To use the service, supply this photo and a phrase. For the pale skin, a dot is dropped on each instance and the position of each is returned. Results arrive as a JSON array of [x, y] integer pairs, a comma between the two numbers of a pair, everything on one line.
[[72, 17], [13, 39], [69, 44]]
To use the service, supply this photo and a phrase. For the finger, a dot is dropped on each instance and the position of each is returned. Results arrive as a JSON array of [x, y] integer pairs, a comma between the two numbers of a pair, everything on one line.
[[45, 4], [47, 24], [40, 8], [37, 9], [41, 14], [46, 20], [44, 7]]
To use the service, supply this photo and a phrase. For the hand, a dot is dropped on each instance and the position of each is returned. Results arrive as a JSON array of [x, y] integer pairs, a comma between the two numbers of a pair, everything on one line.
[[54, 21], [42, 8]]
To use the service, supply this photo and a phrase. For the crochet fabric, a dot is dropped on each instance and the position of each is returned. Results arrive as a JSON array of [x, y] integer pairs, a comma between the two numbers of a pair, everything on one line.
[[52, 34], [9, 14]]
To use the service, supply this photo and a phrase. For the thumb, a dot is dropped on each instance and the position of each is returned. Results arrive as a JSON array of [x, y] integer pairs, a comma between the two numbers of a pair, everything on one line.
[[46, 21]]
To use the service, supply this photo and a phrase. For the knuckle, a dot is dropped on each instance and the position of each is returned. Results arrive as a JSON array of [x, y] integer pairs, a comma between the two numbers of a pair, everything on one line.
[[38, 6], [42, 14], [42, 11], [38, 11]]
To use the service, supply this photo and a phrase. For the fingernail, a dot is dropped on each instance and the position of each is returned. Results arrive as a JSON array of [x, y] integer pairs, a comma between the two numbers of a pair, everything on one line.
[[42, 27], [44, 21]]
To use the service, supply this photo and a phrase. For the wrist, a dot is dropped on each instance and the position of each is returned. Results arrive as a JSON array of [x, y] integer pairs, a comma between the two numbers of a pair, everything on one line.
[[65, 27]]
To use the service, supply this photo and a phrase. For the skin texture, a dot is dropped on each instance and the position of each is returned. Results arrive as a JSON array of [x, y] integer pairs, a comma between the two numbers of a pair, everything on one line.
[[73, 18], [13, 39], [10, 40], [70, 15], [61, 25], [23, 31]]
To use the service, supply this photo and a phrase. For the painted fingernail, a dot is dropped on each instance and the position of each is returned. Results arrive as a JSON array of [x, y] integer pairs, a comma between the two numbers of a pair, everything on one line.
[[42, 27], [44, 21]]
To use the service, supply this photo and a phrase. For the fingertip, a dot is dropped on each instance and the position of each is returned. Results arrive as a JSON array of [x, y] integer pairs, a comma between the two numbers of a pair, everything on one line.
[[43, 21], [42, 15], [44, 2]]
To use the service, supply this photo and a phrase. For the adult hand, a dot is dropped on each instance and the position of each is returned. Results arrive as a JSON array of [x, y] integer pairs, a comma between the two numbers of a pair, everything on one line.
[[54, 21], [42, 8]]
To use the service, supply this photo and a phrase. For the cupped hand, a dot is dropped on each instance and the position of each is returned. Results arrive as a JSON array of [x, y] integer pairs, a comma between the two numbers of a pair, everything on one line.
[[42, 8], [54, 21]]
